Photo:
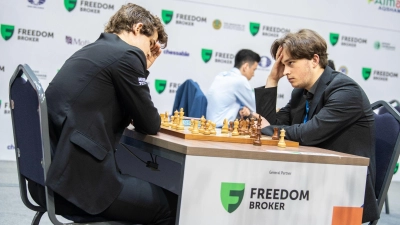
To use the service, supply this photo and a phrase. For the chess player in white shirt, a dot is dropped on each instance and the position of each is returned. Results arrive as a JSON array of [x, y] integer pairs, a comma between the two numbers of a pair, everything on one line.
[[231, 91]]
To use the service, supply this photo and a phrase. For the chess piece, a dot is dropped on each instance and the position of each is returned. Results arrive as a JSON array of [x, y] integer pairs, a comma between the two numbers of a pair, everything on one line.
[[176, 120], [162, 119], [230, 129], [281, 142], [195, 129], [207, 128], [166, 119], [224, 129], [235, 128], [257, 140], [180, 123], [213, 131], [191, 124], [275, 135], [246, 127], [171, 123], [241, 126], [252, 128], [202, 124]]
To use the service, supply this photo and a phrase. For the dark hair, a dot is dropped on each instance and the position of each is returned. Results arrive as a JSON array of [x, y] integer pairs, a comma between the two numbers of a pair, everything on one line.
[[303, 45], [331, 64], [131, 14], [246, 56]]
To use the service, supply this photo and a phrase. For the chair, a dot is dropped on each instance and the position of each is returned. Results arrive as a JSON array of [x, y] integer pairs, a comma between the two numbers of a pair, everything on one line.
[[387, 149], [31, 139], [190, 97]]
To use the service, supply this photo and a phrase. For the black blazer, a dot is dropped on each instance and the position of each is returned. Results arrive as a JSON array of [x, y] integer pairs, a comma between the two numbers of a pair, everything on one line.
[[90, 101], [341, 119]]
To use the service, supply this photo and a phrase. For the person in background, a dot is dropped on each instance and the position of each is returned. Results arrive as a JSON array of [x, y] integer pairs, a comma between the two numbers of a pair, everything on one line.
[[327, 109], [96, 94], [231, 91]]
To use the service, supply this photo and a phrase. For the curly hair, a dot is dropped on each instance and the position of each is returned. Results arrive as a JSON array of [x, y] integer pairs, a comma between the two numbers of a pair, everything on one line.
[[131, 14], [303, 45]]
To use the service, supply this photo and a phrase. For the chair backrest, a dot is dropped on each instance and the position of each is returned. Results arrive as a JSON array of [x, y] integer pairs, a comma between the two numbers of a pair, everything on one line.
[[394, 103], [387, 148], [191, 98]]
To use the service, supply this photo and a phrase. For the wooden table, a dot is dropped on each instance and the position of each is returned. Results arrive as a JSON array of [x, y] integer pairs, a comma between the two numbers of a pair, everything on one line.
[[198, 172]]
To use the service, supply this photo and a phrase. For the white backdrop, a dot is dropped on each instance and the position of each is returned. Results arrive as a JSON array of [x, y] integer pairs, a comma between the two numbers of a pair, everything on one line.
[[43, 34]]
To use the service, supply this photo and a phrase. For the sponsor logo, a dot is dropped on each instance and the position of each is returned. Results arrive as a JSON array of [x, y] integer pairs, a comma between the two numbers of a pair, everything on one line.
[[70, 5], [87, 6], [217, 24], [254, 28], [346, 40], [343, 69], [142, 81], [264, 63], [206, 54], [281, 95], [173, 87], [392, 6], [160, 85], [37, 4], [181, 19], [76, 41], [7, 31], [384, 45], [10, 147], [177, 53], [274, 31], [2, 69], [231, 195], [378, 74], [7, 108]]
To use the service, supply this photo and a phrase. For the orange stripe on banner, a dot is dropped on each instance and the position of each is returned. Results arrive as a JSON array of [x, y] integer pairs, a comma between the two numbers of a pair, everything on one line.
[[347, 215]]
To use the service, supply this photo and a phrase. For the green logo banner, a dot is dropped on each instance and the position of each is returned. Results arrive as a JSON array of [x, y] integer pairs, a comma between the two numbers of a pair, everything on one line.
[[70, 4], [334, 38], [166, 15], [366, 73], [7, 31], [254, 28], [377, 45], [206, 54], [231, 195], [160, 85]]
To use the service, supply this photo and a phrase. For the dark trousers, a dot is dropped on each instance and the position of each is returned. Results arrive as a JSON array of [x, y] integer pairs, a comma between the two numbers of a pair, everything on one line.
[[139, 202]]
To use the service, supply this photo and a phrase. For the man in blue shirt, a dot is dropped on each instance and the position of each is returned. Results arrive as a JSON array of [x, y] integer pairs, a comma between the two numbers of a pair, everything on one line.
[[231, 90]]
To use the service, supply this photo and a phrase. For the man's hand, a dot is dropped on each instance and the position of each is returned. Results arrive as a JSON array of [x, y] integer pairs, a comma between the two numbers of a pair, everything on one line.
[[277, 70], [155, 51], [244, 112]]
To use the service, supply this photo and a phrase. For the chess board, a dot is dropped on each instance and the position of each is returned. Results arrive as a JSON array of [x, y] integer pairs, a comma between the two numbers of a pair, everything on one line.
[[244, 139]]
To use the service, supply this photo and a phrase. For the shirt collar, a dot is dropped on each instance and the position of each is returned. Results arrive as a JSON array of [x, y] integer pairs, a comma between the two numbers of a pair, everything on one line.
[[310, 94]]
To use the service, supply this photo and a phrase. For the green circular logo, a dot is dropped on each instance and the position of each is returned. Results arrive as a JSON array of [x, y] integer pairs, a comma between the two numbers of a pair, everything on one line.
[[377, 45]]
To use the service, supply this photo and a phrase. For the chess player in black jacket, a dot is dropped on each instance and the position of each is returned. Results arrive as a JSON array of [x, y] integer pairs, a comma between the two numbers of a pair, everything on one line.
[[94, 96], [339, 113]]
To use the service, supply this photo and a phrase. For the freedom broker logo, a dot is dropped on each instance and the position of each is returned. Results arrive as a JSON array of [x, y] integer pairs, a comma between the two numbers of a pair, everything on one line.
[[387, 5], [87, 6], [161, 86], [378, 74], [220, 57], [7, 32], [181, 19], [346, 40], [231, 195]]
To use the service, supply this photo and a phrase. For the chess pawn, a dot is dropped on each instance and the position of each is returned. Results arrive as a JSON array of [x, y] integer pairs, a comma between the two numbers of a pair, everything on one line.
[[235, 128], [181, 113], [246, 127], [275, 135], [195, 129], [207, 128], [224, 129], [180, 125], [281, 142], [191, 124], [213, 131], [166, 120], [176, 119], [241, 125]]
